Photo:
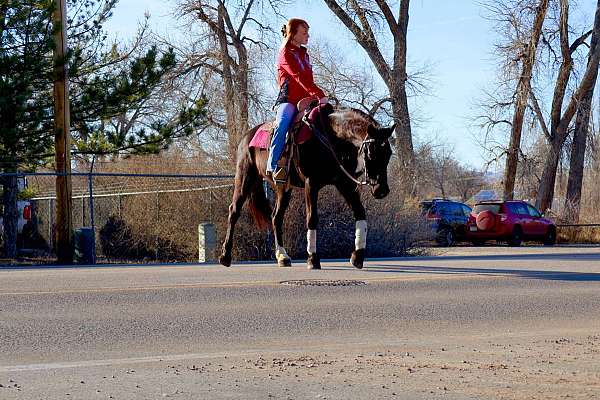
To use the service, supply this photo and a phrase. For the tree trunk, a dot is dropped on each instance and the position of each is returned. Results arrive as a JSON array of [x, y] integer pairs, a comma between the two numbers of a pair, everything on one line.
[[523, 88], [228, 85], [242, 97], [573, 197], [404, 144], [512, 156], [11, 215], [547, 182], [582, 126]]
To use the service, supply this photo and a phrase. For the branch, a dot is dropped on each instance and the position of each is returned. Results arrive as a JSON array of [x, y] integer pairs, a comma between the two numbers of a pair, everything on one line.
[[256, 42], [579, 41], [538, 114], [244, 18], [378, 104], [367, 42], [389, 17]]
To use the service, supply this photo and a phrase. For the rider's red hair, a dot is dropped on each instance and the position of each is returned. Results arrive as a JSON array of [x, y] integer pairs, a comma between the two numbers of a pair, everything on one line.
[[291, 27]]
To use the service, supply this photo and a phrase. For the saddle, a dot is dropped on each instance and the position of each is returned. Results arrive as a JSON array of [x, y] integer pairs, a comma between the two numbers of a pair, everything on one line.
[[298, 133]]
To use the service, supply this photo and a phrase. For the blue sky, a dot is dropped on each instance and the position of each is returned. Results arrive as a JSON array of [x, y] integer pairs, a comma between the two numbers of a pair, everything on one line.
[[451, 36]]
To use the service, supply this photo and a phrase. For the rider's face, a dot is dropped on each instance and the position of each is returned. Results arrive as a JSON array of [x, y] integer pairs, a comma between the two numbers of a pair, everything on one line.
[[301, 36]]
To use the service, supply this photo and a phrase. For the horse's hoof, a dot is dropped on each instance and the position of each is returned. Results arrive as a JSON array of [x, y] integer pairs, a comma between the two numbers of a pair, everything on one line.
[[313, 262], [285, 262], [358, 258], [225, 260]]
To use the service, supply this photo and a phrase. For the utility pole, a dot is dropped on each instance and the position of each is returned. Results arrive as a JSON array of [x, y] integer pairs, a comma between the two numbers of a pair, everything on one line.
[[64, 205]]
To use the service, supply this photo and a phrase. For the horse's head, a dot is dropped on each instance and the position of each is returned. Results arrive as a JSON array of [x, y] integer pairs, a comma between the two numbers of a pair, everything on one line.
[[377, 152], [360, 129]]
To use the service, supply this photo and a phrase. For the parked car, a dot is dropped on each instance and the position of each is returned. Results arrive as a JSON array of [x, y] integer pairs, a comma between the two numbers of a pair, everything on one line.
[[448, 219], [513, 221]]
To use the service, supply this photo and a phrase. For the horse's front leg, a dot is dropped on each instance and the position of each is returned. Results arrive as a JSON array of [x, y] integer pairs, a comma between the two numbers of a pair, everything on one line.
[[352, 197], [282, 200], [311, 194]]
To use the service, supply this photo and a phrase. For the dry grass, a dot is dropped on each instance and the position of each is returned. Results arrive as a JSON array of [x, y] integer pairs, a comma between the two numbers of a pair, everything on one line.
[[164, 226]]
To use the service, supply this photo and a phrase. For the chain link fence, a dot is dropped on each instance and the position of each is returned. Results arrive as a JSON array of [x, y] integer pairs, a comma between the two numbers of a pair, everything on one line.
[[154, 218]]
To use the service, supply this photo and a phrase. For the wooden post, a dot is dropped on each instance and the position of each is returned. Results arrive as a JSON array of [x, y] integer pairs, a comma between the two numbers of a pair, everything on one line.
[[64, 205]]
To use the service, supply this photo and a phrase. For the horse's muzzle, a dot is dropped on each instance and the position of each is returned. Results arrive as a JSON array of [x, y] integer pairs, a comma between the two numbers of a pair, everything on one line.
[[379, 191]]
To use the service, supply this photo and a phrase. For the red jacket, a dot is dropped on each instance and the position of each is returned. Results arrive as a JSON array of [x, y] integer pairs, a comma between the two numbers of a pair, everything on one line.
[[294, 75]]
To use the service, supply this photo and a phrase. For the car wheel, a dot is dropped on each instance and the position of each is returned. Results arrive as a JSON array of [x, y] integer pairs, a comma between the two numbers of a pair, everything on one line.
[[516, 237], [550, 238], [446, 237], [478, 242]]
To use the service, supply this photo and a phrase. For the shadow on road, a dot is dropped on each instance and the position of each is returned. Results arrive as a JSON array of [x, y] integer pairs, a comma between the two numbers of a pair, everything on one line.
[[491, 257], [530, 274]]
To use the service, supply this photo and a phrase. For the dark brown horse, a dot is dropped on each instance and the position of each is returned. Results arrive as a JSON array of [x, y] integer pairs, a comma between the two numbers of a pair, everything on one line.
[[347, 144]]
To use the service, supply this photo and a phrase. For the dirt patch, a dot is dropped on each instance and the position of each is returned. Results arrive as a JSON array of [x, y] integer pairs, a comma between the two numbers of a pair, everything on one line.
[[507, 368]]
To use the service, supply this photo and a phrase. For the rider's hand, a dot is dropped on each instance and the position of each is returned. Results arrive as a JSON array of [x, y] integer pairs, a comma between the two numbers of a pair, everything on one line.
[[324, 100]]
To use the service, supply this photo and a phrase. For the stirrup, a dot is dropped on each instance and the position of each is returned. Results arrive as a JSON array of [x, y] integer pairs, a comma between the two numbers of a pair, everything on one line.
[[280, 175]]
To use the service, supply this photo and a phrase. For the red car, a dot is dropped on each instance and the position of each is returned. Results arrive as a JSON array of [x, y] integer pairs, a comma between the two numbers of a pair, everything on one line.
[[513, 221]]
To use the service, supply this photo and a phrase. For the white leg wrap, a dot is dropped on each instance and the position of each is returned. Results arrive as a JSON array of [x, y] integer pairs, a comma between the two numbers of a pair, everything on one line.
[[311, 241], [281, 254], [360, 236]]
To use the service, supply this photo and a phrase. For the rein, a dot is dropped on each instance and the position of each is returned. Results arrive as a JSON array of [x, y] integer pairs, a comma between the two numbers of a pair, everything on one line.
[[325, 141]]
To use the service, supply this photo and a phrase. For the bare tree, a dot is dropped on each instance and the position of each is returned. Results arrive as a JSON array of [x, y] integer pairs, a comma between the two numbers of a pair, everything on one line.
[[580, 136], [229, 32], [561, 116], [519, 24], [349, 84], [526, 46], [443, 166], [466, 182], [360, 17]]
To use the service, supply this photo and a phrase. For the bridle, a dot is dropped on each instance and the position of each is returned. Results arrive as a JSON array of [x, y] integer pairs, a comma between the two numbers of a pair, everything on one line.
[[362, 150]]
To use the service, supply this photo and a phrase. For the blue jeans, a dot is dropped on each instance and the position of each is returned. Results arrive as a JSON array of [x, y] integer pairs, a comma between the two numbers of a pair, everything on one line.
[[283, 120]]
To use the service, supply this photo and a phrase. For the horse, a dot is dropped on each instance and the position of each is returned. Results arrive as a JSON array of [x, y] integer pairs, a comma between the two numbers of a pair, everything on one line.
[[346, 144]]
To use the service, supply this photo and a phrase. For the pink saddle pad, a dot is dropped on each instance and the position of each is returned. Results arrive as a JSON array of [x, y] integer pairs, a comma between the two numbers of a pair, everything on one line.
[[262, 136]]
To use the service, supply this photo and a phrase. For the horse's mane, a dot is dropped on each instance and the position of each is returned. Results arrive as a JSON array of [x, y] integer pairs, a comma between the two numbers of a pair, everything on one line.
[[350, 123]]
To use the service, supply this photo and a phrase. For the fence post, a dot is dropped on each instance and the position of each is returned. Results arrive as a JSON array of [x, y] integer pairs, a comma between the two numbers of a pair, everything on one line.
[[207, 241], [91, 189], [82, 210], [157, 242], [51, 240]]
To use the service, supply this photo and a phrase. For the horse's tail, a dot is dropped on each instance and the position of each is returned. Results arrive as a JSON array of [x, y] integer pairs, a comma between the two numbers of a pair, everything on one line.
[[259, 206], [249, 179]]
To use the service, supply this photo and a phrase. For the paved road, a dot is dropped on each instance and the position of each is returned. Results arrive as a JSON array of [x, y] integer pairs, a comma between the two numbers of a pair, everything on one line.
[[474, 321]]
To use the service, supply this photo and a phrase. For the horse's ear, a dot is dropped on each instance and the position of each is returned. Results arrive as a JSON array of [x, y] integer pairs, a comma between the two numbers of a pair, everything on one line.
[[372, 131], [385, 133]]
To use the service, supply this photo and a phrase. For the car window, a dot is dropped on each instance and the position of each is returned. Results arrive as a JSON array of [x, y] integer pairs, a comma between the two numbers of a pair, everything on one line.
[[517, 208], [466, 210], [426, 207], [533, 211], [442, 208], [457, 210], [522, 209], [486, 207]]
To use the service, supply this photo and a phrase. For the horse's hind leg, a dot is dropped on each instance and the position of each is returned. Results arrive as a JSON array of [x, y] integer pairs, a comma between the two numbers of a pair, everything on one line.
[[352, 197], [282, 200], [311, 193], [243, 186]]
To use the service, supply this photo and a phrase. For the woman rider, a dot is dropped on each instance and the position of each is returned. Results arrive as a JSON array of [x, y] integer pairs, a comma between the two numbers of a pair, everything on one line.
[[295, 78]]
